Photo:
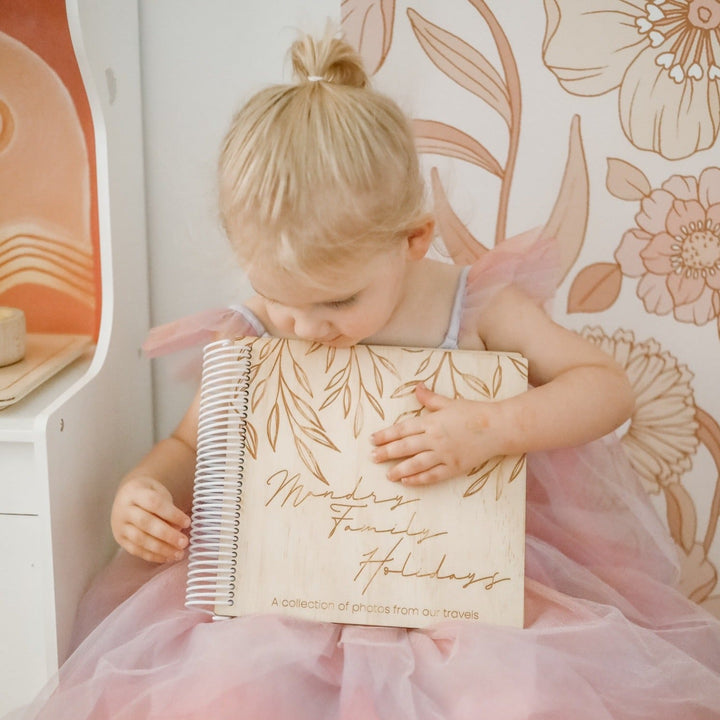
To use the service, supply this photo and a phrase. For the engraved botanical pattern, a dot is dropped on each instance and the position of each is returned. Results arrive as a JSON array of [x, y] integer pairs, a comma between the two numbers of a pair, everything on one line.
[[295, 386], [349, 386]]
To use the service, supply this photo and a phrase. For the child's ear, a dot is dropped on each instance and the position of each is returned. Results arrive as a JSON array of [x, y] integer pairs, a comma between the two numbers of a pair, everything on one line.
[[420, 238]]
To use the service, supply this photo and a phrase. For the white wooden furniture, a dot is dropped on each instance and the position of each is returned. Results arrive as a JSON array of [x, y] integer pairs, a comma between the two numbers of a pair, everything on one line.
[[64, 447]]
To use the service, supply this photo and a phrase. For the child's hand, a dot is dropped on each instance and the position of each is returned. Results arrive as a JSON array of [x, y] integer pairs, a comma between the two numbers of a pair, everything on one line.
[[146, 522], [454, 437]]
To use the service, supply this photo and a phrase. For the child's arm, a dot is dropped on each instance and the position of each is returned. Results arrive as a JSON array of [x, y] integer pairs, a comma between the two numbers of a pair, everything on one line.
[[580, 394], [153, 501]]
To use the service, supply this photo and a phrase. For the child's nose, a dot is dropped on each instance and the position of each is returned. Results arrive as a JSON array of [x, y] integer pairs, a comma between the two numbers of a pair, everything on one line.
[[309, 327]]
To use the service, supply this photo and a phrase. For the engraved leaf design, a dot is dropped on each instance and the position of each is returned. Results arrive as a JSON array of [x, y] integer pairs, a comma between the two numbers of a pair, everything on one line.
[[329, 358], [336, 379], [517, 468], [405, 389], [387, 364], [374, 402], [309, 460], [378, 380], [346, 400], [330, 399], [273, 425], [423, 365], [520, 366], [302, 378], [407, 414], [319, 436], [476, 384], [480, 481], [497, 379], [257, 394], [265, 350], [462, 63], [358, 420], [438, 138], [251, 439], [306, 410]]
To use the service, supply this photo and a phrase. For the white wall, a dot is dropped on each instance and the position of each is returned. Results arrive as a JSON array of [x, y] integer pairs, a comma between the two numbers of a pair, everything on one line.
[[199, 61]]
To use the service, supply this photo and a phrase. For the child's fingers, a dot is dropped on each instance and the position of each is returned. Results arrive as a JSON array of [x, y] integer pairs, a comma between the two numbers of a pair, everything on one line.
[[151, 544], [160, 503], [412, 466], [155, 527], [413, 426], [431, 400], [402, 448], [142, 552], [436, 474]]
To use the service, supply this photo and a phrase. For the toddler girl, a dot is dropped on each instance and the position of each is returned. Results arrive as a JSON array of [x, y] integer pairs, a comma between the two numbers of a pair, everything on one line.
[[322, 200]]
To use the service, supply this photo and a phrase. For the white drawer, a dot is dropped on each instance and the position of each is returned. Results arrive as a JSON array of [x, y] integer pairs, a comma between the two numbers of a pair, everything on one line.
[[18, 478], [24, 665]]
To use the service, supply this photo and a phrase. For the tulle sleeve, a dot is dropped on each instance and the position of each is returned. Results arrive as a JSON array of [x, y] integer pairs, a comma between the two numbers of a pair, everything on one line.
[[526, 261], [202, 328]]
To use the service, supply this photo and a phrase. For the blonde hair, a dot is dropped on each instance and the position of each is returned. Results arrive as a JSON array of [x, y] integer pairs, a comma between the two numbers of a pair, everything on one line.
[[319, 171]]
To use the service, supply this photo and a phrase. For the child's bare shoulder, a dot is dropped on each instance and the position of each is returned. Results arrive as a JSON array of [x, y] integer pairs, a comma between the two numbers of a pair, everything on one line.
[[258, 306]]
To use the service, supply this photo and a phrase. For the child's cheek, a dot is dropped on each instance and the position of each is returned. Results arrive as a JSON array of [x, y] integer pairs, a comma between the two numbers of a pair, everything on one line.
[[280, 318]]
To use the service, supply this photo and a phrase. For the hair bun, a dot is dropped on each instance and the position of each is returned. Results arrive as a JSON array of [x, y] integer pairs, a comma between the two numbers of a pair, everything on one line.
[[330, 59]]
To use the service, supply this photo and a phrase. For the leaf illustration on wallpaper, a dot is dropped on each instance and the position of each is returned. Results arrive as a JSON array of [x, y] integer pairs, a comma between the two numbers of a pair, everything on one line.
[[463, 64], [471, 70], [464, 249], [665, 432], [568, 221], [663, 56], [368, 26], [436, 137]]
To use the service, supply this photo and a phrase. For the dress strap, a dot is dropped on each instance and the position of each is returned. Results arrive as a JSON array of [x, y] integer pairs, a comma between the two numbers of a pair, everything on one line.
[[453, 331]]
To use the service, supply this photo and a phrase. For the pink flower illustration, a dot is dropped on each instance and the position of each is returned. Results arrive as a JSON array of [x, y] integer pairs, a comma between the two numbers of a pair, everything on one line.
[[675, 248]]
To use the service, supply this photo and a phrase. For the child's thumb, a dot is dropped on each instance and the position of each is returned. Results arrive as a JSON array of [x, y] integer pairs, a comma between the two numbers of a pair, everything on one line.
[[429, 399]]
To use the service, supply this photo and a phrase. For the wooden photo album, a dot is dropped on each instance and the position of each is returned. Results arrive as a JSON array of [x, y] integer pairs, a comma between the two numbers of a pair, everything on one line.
[[291, 515]]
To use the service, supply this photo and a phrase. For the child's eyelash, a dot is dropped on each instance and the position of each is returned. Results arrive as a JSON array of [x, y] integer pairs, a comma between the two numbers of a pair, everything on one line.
[[342, 303]]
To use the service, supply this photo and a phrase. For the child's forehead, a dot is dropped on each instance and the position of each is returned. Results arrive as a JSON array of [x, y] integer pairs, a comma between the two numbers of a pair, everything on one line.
[[328, 283], [289, 288]]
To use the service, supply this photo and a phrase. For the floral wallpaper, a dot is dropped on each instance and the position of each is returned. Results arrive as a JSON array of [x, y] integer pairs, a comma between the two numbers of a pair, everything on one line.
[[49, 261], [596, 122]]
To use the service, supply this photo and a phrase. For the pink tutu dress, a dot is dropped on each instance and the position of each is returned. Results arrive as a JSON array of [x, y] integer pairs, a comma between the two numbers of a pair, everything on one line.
[[606, 636]]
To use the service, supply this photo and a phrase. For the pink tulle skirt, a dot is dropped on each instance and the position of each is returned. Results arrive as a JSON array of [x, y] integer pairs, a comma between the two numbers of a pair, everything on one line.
[[606, 635]]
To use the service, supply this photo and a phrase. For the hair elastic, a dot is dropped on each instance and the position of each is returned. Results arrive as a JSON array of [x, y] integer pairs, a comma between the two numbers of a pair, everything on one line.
[[315, 78]]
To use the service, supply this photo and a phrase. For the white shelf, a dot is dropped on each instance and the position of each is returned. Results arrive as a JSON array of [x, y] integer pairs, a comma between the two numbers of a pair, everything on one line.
[[18, 421], [65, 446]]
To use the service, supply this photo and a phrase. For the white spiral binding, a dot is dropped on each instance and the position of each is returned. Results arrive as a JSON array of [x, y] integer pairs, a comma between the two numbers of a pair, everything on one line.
[[213, 537]]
